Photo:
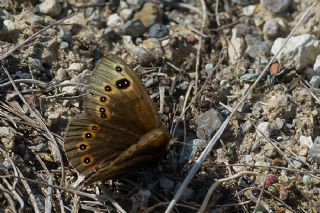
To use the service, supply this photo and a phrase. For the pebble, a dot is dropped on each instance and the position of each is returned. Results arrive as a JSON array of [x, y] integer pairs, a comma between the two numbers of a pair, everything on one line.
[[298, 163], [36, 63], [134, 28], [149, 14], [249, 10], [158, 30], [265, 128], [50, 7], [248, 159], [258, 50], [315, 81], [7, 137], [208, 122], [269, 150], [246, 127], [271, 28], [153, 45], [249, 77], [316, 66], [278, 123], [208, 68], [183, 86], [61, 75], [306, 140], [65, 35], [64, 45], [126, 13], [256, 110], [114, 21], [314, 152], [236, 48], [76, 67], [276, 6], [166, 183], [299, 53]]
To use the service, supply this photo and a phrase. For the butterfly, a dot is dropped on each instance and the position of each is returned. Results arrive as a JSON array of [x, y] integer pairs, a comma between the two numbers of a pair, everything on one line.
[[119, 129]]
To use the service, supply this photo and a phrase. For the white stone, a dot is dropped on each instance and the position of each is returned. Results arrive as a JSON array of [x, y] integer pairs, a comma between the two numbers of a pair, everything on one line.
[[249, 10], [299, 53], [306, 140], [114, 20], [126, 13], [264, 128], [316, 66], [76, 67], [50, 7], [236, 47]]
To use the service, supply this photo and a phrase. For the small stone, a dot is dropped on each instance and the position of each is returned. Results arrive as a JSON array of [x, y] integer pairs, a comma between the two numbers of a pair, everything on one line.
[[265, 128], [76, 67], [208, 68], [149, 14], [53, 118], [257, 110], [183, 86], [64, 45], [316, 65], [65, 35], [166, 183], [248, 159], [299, 52], [246, 127], [50, 7], [61, 75], [249, 10], [278, 123], [7, 137], [258, 50], [153, 45], [249, 77], [271, 28], [270, 151], [36, 63], [302, 150], [236, 48], [208, 122], [158, 31], [134, 28], [261, 163], [299, 162], [315, 81], [276, 6], [314, 152], [126, 13], [306, 141], [114, 21]]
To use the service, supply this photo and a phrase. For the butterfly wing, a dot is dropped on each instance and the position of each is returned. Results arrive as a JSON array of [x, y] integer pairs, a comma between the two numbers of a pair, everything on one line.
[[119, 113]]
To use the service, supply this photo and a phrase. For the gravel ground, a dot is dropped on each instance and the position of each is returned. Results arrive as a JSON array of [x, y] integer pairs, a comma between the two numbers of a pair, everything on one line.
[[197, 59]]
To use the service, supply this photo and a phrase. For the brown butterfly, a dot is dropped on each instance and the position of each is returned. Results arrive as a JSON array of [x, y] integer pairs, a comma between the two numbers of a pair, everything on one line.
[[119, 128]]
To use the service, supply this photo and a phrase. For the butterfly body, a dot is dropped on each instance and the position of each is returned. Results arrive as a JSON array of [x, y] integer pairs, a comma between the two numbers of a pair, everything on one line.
[[119, 130]]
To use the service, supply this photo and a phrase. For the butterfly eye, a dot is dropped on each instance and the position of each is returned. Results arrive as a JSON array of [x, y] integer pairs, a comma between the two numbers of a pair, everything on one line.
[[83, 147], [87, 160], [118, 69], [122, 83], [103, 99], [102, 109], [88, 135], [107, 88], [94, 127], [103, 115]]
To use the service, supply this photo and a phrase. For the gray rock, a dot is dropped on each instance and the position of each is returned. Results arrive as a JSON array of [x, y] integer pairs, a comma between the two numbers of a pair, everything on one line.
[[300, 51], [208, 68], [183, 86], [314, 152], [269, 151], [64, 45], [78, 67], [315, 81], [248, 159], [65, 35], [236, 48], [259, 49], [257, 110], [7, 137], [278, 123], [316, 66], [271, 28], [126, 13], [265, 128], [208, 122], [276, 6], [134, 28], [158, 30], [299, 162], [61, 74], [50, 7], [36, 64], [114, 21], [166, 183], [246, 127], [249, 77]]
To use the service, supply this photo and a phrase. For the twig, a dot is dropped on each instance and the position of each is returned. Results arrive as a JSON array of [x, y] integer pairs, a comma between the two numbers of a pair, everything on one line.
[[218, 134], [43, 125]]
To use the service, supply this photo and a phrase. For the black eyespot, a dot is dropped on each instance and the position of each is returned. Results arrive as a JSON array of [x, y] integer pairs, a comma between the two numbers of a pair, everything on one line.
[[103, 115], [103, 99], [122, 83], [102, 109], [118, 69], [94, 127], [88, 135], [86, 160], [83, 147], [107, 88]]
